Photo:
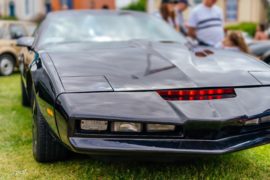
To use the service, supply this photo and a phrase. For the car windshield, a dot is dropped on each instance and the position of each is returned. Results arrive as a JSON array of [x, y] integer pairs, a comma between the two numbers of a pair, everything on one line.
[[107, 28]]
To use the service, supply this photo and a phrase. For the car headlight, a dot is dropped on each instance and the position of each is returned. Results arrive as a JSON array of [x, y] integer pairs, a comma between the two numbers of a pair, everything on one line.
[[160, 127], [265, 119], [252, 122], [94, 125], [126, 127]]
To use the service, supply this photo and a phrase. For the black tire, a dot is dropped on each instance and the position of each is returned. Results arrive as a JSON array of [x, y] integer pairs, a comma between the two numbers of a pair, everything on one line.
[[46, 148], [25, 98], [7, 64]]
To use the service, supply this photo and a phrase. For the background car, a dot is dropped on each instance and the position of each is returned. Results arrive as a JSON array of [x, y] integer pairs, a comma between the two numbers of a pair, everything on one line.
[[10, 31]]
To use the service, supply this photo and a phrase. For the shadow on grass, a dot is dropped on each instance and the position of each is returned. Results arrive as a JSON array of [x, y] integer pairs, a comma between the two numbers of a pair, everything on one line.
[[225, 166]]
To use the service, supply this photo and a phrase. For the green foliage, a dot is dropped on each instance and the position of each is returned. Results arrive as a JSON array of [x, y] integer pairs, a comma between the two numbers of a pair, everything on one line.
[[248, 27], [140, 5], [8, 18]]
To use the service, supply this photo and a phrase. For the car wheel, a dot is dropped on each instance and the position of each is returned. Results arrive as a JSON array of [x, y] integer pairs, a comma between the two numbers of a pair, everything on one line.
[[25, 98], [46, 148], [7, 63]]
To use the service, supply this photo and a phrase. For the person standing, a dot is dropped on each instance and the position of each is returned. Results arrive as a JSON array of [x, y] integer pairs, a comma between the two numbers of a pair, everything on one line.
[[167, 13], [206, 23], [234, 41], [48, 6], [181, 6], [260, 33]]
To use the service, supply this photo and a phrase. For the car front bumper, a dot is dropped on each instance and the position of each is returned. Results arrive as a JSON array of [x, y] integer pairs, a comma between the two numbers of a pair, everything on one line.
[[117, 146], [205, 127]]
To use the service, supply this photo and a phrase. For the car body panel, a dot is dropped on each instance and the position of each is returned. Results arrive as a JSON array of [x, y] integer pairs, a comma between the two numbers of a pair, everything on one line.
[[259, 48], [118, 81], [152, 108], [146, 66], [9, 47], [122, 105], [168, 148], [262, 77], [77, 84], [211, 120]]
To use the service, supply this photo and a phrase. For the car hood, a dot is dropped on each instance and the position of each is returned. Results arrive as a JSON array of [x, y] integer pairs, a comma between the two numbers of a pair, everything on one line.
[[142, 65]]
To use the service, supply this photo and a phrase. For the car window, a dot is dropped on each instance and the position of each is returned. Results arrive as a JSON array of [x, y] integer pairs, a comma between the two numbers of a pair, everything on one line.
[[17, 30], [2, 30]]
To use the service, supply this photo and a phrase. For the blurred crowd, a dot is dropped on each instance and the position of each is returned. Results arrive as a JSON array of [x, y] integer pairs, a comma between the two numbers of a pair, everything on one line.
[[206, 25]]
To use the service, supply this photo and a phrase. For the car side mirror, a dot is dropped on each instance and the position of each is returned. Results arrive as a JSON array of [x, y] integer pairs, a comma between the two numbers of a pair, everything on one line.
[[25, 42]]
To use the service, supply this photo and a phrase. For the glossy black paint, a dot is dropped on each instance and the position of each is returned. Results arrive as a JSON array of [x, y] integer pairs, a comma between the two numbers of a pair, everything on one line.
[[160, 147], [118, 81], [147, 65]]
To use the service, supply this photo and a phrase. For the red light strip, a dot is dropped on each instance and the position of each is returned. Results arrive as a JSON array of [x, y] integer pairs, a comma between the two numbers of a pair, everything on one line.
[[197, 94]]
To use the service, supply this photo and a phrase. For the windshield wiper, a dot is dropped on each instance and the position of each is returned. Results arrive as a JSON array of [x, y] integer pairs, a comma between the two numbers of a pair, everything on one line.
[[168, 41]]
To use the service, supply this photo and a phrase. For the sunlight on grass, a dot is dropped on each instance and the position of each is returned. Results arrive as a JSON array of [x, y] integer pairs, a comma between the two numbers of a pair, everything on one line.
[[17, 161]]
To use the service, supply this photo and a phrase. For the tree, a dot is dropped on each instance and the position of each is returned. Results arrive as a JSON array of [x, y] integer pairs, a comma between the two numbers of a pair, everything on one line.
[[267, 5], [140, 5]]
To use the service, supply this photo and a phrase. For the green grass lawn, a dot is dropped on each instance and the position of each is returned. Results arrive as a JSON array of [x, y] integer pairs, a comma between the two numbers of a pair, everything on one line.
[[16, 161]]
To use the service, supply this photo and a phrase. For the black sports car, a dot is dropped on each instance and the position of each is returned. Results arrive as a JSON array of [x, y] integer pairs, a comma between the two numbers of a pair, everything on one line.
[[125, 83]]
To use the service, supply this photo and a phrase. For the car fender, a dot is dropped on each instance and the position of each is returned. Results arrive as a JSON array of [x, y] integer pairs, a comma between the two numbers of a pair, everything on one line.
[[9, 48], [44, 95]]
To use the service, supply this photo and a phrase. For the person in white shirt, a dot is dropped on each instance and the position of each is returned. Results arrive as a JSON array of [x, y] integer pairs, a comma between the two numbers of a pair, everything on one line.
[[206, 23]]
